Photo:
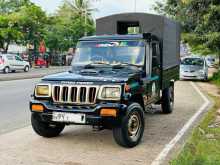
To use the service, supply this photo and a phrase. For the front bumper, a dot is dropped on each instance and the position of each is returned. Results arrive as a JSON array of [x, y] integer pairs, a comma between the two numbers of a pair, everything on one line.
[[192, 76], [92, 113]]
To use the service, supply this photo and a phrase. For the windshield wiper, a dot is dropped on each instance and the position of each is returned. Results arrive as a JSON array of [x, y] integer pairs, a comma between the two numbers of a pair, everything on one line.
[[123, 64], [91, 65]]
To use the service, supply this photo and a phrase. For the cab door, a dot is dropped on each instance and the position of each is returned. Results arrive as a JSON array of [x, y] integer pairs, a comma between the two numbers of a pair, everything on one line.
[[155, 71], [152, 80]]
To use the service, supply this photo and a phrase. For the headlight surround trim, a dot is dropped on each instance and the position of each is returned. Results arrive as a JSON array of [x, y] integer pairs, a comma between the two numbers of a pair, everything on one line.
[[36, 94], [103, 87]]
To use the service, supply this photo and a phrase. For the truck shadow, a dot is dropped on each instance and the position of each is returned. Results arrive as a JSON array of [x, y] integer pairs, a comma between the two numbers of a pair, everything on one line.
[[86, 137]]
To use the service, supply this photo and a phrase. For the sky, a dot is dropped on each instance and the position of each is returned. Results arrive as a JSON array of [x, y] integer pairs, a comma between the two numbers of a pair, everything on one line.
[[104, 7]]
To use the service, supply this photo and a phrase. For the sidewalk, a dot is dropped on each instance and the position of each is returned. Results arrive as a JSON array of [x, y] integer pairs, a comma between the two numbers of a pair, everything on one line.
[[33, 73]]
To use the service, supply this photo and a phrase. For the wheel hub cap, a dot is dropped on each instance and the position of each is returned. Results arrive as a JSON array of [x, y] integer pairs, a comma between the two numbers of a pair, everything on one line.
[[133, 125]]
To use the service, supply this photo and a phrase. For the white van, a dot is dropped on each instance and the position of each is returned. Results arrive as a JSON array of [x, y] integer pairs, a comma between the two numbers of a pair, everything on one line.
[[12, 63]]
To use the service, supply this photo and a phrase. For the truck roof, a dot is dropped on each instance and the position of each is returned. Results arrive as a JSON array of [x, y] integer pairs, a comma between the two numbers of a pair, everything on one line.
[[113, 37]]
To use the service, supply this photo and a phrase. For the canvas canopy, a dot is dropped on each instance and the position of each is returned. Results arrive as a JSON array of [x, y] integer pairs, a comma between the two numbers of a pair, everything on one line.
[[166, 30]]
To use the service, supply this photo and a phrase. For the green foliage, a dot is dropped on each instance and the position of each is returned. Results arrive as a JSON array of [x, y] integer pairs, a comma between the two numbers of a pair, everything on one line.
[[23, 22], [10, 6], [200, 22], [9, 31], [204, 145], [32, 21], [20, 22], [216, 78], [69, 24]]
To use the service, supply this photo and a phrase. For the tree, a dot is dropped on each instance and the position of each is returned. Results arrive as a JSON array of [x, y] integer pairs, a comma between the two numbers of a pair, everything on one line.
[[68, 25], [200, 22], [9, 31], [20, 22], [82, 9], [32, 20], [10, 6]]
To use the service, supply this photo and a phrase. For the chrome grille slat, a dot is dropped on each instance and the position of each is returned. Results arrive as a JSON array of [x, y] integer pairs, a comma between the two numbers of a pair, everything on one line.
[[87, 94], [69, 93], [78, 95], [74, 94]]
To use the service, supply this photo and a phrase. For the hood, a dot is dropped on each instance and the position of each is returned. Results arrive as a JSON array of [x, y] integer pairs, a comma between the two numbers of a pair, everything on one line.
[[88, 75]]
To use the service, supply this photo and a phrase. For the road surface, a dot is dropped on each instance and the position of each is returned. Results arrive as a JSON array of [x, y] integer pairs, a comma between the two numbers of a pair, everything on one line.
[[33, 73], [79, 145]]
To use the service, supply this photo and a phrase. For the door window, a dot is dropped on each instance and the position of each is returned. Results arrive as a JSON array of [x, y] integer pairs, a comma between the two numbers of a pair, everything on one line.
[[18, 58], [10, 57], [155, 55]]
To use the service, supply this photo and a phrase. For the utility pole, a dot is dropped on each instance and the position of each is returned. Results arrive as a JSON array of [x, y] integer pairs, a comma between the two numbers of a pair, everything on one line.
[[135, 6], [85, 32], [135, 10]]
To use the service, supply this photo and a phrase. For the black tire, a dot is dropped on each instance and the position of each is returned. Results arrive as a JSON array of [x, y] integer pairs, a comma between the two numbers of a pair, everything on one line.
[[206, 78], [168, 100], [6, 70], [122, 134], [45, 129], [26, 68]]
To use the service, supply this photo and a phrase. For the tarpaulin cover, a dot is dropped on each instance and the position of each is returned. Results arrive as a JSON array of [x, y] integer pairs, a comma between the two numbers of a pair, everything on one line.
[[166, 30]]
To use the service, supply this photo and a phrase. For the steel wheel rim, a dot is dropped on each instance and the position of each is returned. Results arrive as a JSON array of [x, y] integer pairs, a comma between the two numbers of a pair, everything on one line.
[[134, 125]]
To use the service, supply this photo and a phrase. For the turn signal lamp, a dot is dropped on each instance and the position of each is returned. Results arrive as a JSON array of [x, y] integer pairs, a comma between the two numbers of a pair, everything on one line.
[[37, 108], [108, 112], [127, 88]]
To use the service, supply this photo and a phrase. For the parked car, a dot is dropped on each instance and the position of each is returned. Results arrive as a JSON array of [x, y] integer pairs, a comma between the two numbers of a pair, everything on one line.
[[12, 63], [210, 61], [40, 62], [194, 68]]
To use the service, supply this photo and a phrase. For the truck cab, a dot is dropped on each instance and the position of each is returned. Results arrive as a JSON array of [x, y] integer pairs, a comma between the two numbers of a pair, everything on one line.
[[114, 78]]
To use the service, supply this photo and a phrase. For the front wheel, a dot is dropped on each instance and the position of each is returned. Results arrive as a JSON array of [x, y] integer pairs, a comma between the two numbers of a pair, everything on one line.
[[26, 68], [45, 129], [130, 131], [168, 100], [6, 70]]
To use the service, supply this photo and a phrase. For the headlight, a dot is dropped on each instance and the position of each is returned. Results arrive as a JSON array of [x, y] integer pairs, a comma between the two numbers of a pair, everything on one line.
[[111, 92], [201, 72], [43, 90]]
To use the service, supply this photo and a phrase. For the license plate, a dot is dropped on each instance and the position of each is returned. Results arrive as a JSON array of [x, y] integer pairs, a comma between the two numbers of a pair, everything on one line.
[[69, 117]]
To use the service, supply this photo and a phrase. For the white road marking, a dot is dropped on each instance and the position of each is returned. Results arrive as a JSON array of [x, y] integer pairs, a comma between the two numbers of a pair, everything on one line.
[[168, 147]]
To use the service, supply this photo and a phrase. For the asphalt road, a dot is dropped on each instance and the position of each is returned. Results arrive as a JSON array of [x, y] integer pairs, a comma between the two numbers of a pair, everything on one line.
[[79, 145], [33, 73], [14, 99]]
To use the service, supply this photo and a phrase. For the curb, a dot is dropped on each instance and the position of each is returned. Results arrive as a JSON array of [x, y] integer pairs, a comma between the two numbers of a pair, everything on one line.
[[168, 147]]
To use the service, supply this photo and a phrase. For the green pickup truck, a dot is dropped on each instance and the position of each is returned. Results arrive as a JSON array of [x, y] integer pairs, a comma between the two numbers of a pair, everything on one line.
[[115, 76]]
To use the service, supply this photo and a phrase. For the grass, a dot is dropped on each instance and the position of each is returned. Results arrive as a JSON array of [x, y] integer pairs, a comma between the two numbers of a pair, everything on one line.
[[203, 147], [216, 78]]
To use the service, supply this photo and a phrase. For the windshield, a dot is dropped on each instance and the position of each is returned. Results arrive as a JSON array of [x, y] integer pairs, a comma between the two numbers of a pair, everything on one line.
[[110, 52], [192, 61]]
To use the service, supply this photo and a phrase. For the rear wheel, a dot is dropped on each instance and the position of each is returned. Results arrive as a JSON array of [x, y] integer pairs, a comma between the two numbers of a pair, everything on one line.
[[168, 100], [6, 70], [131, 129], [45, 129]]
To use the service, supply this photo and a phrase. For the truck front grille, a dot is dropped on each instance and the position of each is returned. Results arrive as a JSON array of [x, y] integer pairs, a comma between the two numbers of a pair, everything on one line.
[[68, 94]]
